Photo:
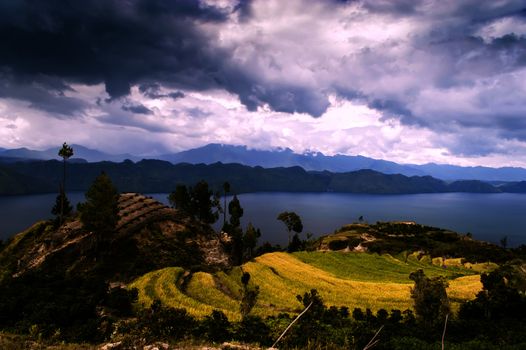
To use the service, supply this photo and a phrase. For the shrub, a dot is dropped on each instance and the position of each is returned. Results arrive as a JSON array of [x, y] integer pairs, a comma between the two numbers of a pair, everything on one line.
[[215, 327], [338, 244], [165, 323]]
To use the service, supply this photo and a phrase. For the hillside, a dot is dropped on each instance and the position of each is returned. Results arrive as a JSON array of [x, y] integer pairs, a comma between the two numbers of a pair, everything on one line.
[[342, 279], [400, 237], [154, 176], [148, 236]]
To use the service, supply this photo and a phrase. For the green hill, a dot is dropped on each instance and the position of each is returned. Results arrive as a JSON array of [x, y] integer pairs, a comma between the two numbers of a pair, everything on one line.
[[343, 279]]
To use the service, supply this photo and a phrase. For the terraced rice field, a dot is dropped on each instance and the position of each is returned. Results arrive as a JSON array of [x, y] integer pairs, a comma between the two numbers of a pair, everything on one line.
[[342, 279]]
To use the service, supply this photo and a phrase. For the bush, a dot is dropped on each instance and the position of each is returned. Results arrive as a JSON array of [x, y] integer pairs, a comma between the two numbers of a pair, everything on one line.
[[120, 301], [215, 327], [338, 244], [252, 329], [165, 323]]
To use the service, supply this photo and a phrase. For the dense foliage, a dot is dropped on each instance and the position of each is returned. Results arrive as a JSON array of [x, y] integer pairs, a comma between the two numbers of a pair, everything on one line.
[[100, 212], [64, 307], [198, 201], [62, 207], [292, 222], [430, 298]]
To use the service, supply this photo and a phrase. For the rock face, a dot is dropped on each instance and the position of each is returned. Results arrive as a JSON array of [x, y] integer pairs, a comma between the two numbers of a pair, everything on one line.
[[149, 235]]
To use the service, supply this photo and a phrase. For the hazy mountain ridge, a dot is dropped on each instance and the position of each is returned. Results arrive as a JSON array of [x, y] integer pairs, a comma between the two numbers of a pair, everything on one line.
[[453, 172], [315, 161], [81, 152], [156, 176], [213, 153]]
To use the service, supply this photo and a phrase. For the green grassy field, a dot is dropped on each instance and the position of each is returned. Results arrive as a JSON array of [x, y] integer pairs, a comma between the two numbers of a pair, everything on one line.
[[342, 279]]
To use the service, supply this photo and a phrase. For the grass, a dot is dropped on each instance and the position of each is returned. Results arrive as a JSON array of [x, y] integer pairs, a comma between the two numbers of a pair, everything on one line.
[[342, 279], [374, 267]]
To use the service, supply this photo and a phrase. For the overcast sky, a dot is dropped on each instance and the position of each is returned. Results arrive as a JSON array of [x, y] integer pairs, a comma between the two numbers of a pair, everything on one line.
[[408, 81]]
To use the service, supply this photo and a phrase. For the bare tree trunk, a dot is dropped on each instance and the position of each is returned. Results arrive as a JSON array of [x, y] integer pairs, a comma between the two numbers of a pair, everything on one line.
[[62, 193], [290, 325], [444, 333]]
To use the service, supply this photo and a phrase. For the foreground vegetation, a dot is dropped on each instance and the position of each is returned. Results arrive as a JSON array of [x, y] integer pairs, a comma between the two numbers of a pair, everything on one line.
[[398, 284]]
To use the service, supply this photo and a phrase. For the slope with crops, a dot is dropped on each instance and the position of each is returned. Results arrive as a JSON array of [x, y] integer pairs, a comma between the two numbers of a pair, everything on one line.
[[343, 279], [148, 236]]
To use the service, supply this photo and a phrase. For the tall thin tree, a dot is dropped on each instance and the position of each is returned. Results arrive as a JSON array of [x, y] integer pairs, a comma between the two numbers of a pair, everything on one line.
[[65, 152], [226, 189]]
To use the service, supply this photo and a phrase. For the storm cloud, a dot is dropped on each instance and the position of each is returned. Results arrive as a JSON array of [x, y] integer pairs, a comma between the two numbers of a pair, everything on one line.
[[119, 43]]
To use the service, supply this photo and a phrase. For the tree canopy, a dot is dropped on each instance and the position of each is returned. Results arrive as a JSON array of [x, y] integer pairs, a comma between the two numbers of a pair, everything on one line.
[[236, 212], [198, 201], [430, 298], [66, 151], [62, 206], [100, 212], [292, 221]]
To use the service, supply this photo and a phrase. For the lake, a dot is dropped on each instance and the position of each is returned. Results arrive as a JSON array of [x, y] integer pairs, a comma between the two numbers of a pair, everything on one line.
[[487, 216]]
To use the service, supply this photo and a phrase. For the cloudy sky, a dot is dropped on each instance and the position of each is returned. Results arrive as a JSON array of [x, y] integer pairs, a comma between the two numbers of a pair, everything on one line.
[[412, 81]]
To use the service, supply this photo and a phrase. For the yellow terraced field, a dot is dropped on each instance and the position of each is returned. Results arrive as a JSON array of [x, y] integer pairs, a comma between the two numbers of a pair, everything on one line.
[[342, 279]]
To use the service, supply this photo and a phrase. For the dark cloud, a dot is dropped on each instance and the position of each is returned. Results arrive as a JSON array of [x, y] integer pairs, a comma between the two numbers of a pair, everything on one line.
[[393, 108], [115, 42], [196, 112], [137, 109], [175, 95], [288, 98], [124, 43], [46, 93], [133, 121], [153, 90], [244, 9], [399, 7]]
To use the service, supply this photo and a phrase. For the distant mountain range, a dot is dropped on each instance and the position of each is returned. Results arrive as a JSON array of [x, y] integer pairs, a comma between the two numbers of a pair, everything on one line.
[[81, 154], [313, 161], [155, 176]]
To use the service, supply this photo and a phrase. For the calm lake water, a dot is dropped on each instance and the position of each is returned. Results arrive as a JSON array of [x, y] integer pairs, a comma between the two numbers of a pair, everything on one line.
[[487, 216]]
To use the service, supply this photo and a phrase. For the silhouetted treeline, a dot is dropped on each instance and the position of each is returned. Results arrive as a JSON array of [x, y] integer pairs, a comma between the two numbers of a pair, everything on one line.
[[149, 176]]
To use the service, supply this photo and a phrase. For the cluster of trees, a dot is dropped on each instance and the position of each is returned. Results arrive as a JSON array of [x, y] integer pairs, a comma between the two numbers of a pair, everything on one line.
[[199, 202], [100, 211]]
